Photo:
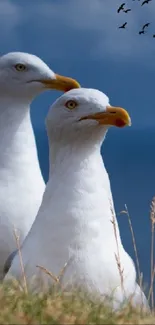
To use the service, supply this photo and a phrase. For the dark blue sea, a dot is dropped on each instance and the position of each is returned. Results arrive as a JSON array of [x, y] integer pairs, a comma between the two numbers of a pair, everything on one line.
[[130, 160]]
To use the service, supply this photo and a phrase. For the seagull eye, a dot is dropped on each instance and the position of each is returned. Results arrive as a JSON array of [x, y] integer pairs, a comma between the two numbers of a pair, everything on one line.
[[20, 67], [71, 104]]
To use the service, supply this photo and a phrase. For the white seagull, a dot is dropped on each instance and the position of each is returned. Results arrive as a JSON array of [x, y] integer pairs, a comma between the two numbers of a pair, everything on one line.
[[22, 77], [76, 220]]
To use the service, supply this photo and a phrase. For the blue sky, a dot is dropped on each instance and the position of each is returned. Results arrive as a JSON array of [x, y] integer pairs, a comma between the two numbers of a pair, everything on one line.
[[80, 38]]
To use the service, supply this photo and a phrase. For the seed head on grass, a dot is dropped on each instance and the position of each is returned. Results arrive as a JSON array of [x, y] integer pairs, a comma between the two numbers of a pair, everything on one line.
[[56, 278]]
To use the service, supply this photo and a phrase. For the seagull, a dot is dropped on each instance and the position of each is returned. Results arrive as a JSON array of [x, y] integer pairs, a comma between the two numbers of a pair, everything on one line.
[[145, 25], [126, 10], [75, 223], [123, 26], [22, 77], [121, 7], [145, 1]]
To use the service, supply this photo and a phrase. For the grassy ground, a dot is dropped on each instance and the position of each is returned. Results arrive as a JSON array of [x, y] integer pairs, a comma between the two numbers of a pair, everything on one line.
[[16, 307]]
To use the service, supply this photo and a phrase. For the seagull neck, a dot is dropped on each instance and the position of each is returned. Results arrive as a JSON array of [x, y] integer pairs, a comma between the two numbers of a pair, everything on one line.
[[9, 101], [78, 161], [73, 153], [13, 114], [16, 131], [71, 147]]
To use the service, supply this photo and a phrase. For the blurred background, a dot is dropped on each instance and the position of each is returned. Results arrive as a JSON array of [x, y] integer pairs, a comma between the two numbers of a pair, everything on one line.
[[81, 39]]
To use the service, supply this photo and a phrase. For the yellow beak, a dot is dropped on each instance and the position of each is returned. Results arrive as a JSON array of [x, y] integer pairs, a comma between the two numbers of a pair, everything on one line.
[[61, 83], [116, 116]]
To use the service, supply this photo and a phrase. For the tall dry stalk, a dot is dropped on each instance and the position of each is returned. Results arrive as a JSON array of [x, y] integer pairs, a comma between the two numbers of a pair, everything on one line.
[[21, 260], [140, 275], [117, 255], [134, 245], [152, 219], [151, 285]]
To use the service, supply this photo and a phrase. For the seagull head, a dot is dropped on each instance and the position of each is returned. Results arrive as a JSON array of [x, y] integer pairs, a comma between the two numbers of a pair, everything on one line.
[[26, 75], [84, 113]]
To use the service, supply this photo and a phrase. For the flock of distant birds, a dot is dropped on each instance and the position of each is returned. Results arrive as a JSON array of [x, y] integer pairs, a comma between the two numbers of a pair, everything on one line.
[[122, 8]]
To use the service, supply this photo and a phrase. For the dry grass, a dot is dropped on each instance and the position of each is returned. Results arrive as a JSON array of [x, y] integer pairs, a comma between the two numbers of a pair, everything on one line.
[[21, 260], [139, 274], [117, 255], [58, 307], [18, 306]]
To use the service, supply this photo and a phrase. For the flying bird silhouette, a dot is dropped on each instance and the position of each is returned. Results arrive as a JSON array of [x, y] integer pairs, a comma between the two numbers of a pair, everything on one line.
[[154, 35], [127, 10], [145, 25], [145, 1], [123, 26], [121, 7]]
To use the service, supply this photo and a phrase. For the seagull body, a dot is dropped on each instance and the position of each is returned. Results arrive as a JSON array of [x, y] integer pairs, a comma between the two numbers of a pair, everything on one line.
[[143, 28], [75, 223], [121, 7], [22, 78], [123, 26]]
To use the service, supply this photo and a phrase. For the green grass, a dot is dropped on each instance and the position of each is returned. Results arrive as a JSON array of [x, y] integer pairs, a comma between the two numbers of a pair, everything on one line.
[[58, 307]]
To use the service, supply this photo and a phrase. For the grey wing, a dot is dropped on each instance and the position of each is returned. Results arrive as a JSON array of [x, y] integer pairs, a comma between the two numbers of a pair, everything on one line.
[[8, 262]]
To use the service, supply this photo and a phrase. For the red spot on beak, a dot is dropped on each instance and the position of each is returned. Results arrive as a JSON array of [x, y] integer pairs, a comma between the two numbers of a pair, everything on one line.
[[120, 123]]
